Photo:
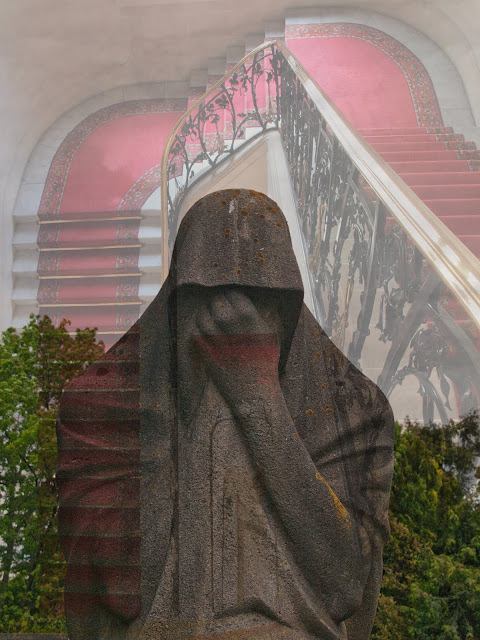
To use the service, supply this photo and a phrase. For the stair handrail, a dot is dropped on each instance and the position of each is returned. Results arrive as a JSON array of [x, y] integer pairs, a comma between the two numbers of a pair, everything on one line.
[[453, 261]]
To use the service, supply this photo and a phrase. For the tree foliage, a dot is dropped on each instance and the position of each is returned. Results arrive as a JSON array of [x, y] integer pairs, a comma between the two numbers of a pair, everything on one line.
[[35, 365], [431, 586]]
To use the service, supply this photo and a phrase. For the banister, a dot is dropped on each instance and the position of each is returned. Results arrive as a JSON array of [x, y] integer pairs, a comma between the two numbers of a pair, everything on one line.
[[453, 261]]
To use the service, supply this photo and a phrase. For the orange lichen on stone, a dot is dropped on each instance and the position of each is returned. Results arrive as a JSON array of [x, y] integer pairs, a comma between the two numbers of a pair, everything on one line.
[[279, 223], [328, 409], [261, 260], [309, 412], [342, 513], [244, 212]]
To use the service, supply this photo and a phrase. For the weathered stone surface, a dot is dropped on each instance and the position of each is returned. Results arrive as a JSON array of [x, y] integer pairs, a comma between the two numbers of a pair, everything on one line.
[[224, 470], [31, 636]]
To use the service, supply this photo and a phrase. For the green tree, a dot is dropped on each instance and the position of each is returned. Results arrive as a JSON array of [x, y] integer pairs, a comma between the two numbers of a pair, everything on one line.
[[35, 364], [431, 586]]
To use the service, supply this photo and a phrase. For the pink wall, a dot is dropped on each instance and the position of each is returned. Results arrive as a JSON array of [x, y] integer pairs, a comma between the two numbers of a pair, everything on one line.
[[112, 158], [363, 81]]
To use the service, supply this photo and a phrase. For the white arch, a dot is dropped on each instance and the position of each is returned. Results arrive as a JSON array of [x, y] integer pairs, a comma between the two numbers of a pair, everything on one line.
[[36, 172]]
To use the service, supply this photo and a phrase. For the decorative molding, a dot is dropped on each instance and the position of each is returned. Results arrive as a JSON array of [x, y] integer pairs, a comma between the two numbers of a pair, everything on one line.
[[141, 190]]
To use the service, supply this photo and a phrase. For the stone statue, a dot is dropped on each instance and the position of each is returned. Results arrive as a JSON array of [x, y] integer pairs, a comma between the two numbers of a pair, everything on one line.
[[224, 471]]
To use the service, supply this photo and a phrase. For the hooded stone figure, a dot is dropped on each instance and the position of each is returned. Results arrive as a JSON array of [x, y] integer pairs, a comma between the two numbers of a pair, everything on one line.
[[224, 471]]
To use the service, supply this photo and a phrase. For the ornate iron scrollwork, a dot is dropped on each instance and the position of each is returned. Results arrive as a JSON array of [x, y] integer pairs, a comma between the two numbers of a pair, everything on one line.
[[400, 278], [217, 127], [429, 351]]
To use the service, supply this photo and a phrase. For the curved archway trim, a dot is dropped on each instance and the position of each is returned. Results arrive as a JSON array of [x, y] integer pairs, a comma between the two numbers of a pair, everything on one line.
[[143, 188]]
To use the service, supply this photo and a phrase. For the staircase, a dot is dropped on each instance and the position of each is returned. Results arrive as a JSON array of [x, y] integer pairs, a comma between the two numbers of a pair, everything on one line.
[[96, 279], [96, 267], [442, 169]]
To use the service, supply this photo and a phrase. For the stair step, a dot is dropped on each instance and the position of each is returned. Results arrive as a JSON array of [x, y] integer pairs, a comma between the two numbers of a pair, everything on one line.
[[407, 147], [253, 40], [105, 318], [216, 67], [467, 206], [89, 233], [88, 290], [84, 263], [441, 178], [462, 225], [421, 137], [234, 54], [275, 30], [422, 166], [412, 156], [447, 192], [404, 131]]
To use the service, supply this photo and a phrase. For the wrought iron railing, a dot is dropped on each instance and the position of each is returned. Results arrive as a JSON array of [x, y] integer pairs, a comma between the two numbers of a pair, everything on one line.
[[392, 286], [218, 125]]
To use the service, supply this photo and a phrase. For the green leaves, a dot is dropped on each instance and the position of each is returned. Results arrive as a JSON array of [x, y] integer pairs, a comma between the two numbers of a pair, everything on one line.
[[431, 586], [35, 365]]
